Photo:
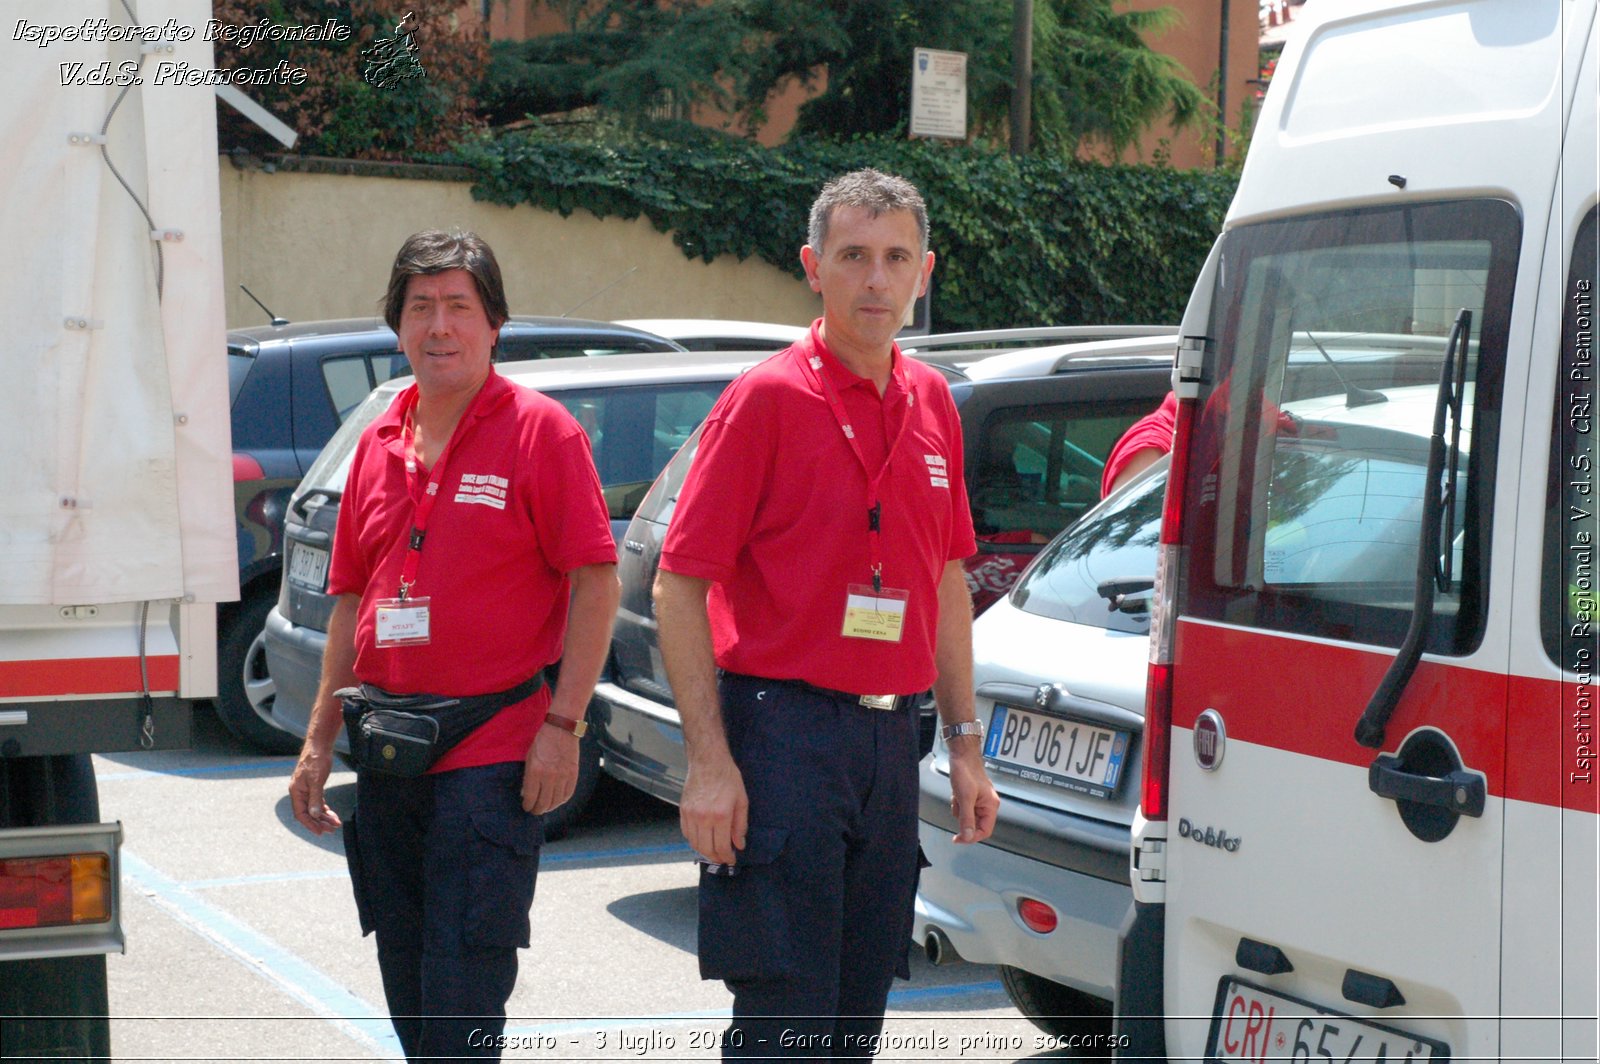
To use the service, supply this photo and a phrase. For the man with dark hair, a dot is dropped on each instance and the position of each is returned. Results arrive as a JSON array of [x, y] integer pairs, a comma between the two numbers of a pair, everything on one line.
[[810, 587], [471, 515]]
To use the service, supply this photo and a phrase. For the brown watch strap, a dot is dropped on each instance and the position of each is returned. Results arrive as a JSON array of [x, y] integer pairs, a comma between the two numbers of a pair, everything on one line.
[[567, 724]]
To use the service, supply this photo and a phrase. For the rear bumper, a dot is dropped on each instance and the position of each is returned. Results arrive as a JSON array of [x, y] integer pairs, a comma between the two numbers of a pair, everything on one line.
[[641, 741], [294, 659], [971, 893]]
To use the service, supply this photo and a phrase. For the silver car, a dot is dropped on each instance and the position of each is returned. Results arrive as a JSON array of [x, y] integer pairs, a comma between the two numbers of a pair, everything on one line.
[[1060, 669]]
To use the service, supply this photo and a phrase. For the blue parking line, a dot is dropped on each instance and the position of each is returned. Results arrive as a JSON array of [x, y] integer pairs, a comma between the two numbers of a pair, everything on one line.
[[198, 770], [274, 877], [325, 997], [923, 993]]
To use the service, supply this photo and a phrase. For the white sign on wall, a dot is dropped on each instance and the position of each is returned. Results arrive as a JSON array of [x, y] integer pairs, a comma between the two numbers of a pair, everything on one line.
[[939, 94]]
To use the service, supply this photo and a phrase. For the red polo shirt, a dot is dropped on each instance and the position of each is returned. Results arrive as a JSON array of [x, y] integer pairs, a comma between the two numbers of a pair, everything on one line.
[[775, 508], [519, 507]]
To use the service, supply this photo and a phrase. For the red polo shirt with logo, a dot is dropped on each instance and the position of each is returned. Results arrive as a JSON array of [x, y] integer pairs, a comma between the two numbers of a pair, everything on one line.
[[774, 512], [519, 507]]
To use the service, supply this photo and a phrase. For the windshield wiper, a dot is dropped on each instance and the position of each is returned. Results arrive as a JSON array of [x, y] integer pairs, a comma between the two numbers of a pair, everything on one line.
[[1375, 718], [1353, 396], [1129, 594]]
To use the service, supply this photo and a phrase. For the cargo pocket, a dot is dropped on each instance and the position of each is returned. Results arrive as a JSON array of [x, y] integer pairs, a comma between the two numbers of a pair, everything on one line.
[[902, 967], [358, 882], [503, 857], [744, 924]]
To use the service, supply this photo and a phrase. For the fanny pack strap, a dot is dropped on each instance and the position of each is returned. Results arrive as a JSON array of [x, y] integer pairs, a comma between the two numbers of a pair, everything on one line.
[[468, 707]]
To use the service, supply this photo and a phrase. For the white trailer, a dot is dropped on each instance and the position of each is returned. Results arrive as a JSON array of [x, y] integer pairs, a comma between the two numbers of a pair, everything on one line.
[[116, 529]]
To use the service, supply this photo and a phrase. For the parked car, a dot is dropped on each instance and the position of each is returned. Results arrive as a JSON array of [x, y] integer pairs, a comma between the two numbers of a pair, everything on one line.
[[637, 409], [292, 386], [1034, 445], [1059, 666], [713, 334]]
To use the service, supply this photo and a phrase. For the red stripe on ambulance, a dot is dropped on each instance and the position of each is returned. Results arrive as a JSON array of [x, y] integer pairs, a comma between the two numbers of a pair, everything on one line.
[[1304, 697]]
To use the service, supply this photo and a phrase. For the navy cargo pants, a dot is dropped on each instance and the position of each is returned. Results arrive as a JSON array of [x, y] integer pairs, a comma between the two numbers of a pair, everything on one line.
[[815, 922], [443, 868]]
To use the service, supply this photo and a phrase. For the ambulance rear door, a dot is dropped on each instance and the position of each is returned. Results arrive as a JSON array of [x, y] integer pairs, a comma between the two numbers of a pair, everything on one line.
[[1349, 534], [1548, 942]]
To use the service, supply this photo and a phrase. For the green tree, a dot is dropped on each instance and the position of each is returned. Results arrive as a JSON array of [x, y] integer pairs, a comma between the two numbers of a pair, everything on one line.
[[339, 107], [1094, 77]]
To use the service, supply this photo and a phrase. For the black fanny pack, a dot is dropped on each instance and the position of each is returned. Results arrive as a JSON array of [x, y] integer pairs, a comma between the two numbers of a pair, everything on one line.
[[403, 735]]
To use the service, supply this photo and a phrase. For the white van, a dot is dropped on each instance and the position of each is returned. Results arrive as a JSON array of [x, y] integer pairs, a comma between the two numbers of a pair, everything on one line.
[[1368, 824]]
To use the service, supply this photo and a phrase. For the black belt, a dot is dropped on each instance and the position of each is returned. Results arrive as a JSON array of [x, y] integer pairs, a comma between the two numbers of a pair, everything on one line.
[[887, 703]]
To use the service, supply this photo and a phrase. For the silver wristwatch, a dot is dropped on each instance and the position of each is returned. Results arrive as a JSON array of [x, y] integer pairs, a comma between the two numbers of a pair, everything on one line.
[[966, 727]]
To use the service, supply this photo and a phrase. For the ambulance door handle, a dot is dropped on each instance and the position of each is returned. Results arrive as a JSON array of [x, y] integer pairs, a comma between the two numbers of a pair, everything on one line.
[[1460, 792]]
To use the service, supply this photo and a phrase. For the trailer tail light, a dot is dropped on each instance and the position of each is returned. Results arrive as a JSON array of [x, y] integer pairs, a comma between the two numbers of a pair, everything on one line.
[[55, 891], [1037, 915]]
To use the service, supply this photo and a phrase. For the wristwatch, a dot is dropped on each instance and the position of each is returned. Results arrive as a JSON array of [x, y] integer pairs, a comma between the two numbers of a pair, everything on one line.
[[567, 724], [966, 727]]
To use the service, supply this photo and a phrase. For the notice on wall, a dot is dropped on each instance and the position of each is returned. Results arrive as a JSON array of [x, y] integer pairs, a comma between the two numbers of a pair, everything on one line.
[[939, 94]]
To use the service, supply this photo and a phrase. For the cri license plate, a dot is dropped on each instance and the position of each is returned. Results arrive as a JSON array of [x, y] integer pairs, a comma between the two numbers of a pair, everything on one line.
[[1256, 1025], [308, 566], [1071, 754]]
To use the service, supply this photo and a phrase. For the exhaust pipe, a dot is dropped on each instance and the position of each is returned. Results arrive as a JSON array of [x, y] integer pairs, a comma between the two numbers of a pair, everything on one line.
[[939, 948]]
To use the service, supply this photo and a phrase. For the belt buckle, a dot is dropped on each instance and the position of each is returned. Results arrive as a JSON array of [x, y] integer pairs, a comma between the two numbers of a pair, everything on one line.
[[878, 701]]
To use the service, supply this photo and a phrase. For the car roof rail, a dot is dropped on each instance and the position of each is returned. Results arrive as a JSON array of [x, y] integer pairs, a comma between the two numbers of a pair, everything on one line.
[[1007, 339]]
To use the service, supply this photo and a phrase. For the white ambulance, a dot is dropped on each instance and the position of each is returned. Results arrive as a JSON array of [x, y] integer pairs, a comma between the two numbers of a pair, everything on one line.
[[1368, 827]]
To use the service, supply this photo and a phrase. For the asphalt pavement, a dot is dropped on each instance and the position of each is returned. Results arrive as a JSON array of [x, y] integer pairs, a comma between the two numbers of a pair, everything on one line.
[[242, 940]]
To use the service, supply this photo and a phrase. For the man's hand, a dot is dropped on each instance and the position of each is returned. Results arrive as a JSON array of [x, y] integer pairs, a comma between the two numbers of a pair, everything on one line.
[[305, 790], [972, 797], [714, 812], [550, 773]]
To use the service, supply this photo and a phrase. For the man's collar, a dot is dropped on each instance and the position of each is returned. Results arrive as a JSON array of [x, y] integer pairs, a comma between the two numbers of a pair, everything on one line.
[[841, 375], [494, 391]]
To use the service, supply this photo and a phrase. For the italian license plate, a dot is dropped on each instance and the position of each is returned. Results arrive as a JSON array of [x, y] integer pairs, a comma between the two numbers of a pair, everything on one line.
[[308, 566], [1071, 754], [1252, 1024]]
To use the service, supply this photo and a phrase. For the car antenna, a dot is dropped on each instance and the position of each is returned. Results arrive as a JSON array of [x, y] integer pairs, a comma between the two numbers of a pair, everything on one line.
[[275, 319], [568, 312]]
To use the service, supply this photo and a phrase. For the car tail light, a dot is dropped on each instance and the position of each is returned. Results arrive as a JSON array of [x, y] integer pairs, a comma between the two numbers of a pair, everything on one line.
[[1163, 623], [246, 468], [1037, 915], [55, 891]]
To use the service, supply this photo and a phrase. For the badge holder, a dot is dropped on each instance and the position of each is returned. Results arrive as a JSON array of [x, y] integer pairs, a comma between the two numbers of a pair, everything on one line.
[[401, 622], [875, 613]]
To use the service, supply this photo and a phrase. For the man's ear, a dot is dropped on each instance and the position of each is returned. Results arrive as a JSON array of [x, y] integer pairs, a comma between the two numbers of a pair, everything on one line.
[[927, 272], [808, 259]]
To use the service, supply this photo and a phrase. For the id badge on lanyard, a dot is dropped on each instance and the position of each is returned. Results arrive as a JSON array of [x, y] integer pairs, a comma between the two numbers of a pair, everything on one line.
[[405, 621], [871, 611], [402, 622]]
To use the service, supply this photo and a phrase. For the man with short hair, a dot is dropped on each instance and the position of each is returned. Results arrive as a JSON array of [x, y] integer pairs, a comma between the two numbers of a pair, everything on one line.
[[810, 587], [471, 515]]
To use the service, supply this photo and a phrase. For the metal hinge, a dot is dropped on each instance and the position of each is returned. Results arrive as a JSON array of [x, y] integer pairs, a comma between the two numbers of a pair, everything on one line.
[[1150, 860], [1186, 371]]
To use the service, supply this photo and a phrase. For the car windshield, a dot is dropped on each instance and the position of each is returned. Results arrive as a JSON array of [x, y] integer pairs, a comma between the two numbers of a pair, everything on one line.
[[1115, 542]]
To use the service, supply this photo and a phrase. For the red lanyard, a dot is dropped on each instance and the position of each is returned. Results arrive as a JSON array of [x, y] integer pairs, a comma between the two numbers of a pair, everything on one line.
[[424, 507], [812, 366]]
